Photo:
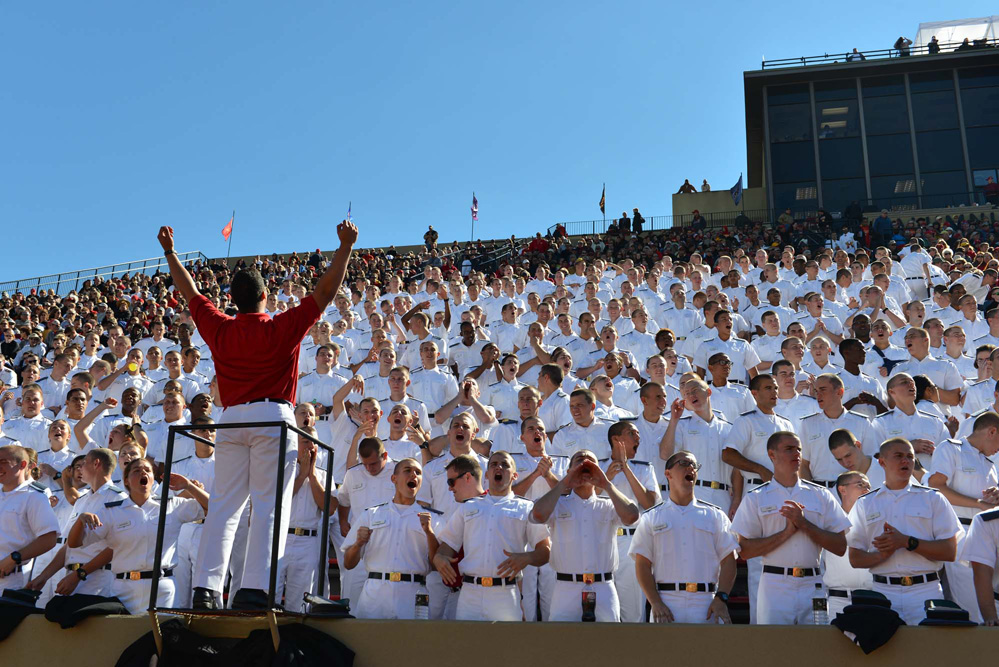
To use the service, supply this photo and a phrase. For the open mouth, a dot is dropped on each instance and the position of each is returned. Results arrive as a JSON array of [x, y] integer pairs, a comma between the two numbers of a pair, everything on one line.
[[498, 477], [411, 483], [689, 477], [538, 440], [143, 481], [460, 437]]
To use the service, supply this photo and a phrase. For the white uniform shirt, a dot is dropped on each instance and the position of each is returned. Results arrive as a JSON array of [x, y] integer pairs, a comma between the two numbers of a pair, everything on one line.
[[554, 411], [158, 434], [650, 434], [967, 470], [699, 531], [435, 490], [486, 526], [584, 533], [434, 387], [573, 437], [91, 503], [815, 431], [943, 373], [731, 400], [759, 516], [838, 574], [853, 385], [644, 472], [982, 543], [749, 435], [361, 490], [502, 395], [25, 514], [130, 531], [706, 440], [397, 542], [526, 464], [915, 510], [797, 408], [30, 432], [316, 388], [58, 460], [920, 425], [741, 353], [54, 392]]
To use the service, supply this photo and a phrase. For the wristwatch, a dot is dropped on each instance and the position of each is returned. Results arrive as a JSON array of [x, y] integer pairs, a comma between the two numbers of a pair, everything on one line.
[[169, 252], [912, 545], [16, 557], [81, 573], [721, 595]]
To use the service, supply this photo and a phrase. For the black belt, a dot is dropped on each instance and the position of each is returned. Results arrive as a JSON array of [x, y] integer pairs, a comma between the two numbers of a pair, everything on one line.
[[793, 571], [397, 576], [488, 582], [303, 532], [833, 593], [60, 540], [73, 567], [965, 521], [625, 531], [712, 485], [16, 569], [907, 581], [137, 575], [582, 578], [269, 400], [917, 278], [996, 596], [828, 485], [755, 480], [687, 587]]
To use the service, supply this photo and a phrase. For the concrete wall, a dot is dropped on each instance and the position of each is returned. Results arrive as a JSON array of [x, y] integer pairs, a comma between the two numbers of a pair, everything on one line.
[[718, 201], [99, 642]]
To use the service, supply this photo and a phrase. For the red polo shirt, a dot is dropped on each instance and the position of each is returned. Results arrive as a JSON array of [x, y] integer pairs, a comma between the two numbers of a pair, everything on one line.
[[255, 356]]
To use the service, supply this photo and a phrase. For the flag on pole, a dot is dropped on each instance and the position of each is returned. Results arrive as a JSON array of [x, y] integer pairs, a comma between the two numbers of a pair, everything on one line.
[[227, 230], [475, 207], [603, 198], [349, 204], [736, 191]]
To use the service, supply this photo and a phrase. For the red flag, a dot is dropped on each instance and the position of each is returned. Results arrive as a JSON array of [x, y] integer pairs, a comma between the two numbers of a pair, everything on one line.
[[227, 230]]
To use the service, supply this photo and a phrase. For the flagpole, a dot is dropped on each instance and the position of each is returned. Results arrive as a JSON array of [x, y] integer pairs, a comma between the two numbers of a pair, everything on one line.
[[603, 209], [232, 221], [472, 237]]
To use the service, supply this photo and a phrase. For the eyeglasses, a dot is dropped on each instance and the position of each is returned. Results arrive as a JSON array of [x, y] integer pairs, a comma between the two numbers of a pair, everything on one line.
[[863, 485], [722, 362], [451, 481], [686, 463]]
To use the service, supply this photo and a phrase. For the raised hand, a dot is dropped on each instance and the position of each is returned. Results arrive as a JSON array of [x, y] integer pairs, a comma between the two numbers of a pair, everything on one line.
[[346, 231], [444, 565], [165, 237]]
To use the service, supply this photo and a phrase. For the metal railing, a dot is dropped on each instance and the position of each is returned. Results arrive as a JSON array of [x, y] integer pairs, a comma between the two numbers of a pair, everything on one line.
[[662, 222], [278, 498], [63, 283], [881, 54]]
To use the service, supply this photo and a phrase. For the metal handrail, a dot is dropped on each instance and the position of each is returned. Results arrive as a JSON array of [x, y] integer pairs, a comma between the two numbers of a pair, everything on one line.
[[278, 497], [878, 54]]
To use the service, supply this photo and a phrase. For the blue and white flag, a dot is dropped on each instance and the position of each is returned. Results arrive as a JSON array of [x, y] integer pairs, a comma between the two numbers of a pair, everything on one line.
[[736, 191]]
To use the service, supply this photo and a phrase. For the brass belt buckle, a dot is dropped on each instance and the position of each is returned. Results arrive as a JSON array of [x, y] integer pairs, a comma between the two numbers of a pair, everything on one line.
[[487, 581], [907, 581], [797, 572], [395, 576], [690, 587], [716, 485], [620, 532], [134, 576], [588, 578]]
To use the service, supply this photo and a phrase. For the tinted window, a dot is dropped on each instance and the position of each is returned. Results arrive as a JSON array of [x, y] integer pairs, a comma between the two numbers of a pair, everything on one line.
[[837, 119], [882, 85], [980, 105], [841, 158], [939, 151], [791, 122], [792, 162], [947, 188], [889, 154], [793, 94], [927, 81], [983, 147], [796, 196], [978, 76], [845, 89], [893, 191], [934, 111], [837, 195], [885, 115]]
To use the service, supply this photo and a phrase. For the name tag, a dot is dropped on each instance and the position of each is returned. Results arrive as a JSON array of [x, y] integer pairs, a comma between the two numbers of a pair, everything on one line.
[[563, 514], [694, 432], [658, 528], [357, 486], [378, 522], [761, 434], [769, 509], [123, 525], [472, 512], [438, 473], [969, 470], [873, 516]]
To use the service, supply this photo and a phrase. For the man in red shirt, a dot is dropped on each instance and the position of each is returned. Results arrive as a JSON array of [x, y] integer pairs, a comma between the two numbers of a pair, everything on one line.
[[256, 364]]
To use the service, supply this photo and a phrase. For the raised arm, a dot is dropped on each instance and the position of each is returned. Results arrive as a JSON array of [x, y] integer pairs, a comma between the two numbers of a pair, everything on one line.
[[182, 280], [330, 282]]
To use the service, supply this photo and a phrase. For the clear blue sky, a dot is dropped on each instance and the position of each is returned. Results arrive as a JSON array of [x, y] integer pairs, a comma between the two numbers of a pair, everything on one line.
[[122, 116]]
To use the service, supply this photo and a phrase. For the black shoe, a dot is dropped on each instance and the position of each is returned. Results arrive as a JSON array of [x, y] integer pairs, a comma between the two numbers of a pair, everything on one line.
[[204, 598], [249, 599]]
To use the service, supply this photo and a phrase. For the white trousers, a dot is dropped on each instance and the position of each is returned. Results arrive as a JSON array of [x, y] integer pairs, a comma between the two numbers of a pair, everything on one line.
[[567, 602], [786, 600], [908, 600], [238, 557], [352, 581], [629, 593], [489, 603], [836, 605], [15, 580], [135, 594], [961, 582], [687, 607], [183, 573], [386, 599], [443, 601], [246, 461], [754, 570], [297, 571], [538, 582]]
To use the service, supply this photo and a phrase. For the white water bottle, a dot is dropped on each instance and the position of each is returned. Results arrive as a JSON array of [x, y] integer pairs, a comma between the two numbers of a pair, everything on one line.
[[422, 608], [820, 607]]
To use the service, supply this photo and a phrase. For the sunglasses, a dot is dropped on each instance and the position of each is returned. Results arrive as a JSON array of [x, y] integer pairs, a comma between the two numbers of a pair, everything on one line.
[[687, 463], [451, 481]]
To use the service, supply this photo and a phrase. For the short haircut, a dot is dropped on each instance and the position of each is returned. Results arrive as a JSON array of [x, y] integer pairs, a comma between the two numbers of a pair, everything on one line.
[[837, 381], [757, 382], [554, 373], [781, 363], [466, 463], [986, 420], [648, 387], [105, 457], [891, 442], [840, 437], [774, 440], [585, 393], [618, 429], [85, 377], [16, 452], [246, 289], [525, 423], [844, 478], [407, 461], [369, 446]]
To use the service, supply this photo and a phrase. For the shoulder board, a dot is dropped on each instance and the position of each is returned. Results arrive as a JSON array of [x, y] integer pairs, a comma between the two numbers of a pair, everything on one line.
[[557, 456], [689, 416], [112, 487], [493, 384], [602, 460], [561, 393], [651, 508], [183, 459], [44, 451], [418, 370], [114, 503], [859, 414], [761, 486], [890, 412], [777, 414], [748, 412], [709, 505], [507, 421], [521, 497], [975, 384], [356, 465], [991, 515], [414, 399], [425, 505], [641, 463], [628, 419], [807, 396], [923, 488], [871, 491], [954, 442], [806, 481], [719, 417], [384, 504], [814, 414], [37, 487]]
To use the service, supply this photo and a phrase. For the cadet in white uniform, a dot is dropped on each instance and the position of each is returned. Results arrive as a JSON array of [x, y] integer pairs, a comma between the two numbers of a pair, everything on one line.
[[499, 542], [964, 473], [365, 485], [200, 468], [397, 542], [636, 480], [841, 578], [902, 533], [586, 431], [981, 549], [583, 526], [684, 552], [28, 526], [788, 521], [922, 429], [129, 526]]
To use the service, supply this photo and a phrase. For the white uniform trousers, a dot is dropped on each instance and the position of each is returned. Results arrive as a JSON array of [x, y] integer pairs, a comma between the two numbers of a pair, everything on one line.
[[836, 604], [386, 599], [567, 602], [15, 580], [786, 600], [443, 600], [38, 564], [335, 551], [629, 593], [246, 462], [352, 581], [238, 556], [489, 603], [187, 549], [538, 582], [135, 594], [687, 607], [908, 600], [297, 571], [97, 583], [961, 583], [754, 570]]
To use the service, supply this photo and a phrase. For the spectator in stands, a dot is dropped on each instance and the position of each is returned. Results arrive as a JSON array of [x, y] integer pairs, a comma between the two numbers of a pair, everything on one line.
[[854, 56], [686, 188], [637, 221], [991, 191], [902, 46], [934, 46], [430, 237], [538, 244], [705, 186], [785, 218], [882, 228]]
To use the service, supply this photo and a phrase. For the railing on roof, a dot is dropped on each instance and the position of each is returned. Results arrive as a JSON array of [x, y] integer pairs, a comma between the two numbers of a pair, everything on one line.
[[661, 222], [63, 283], [881, 54]]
